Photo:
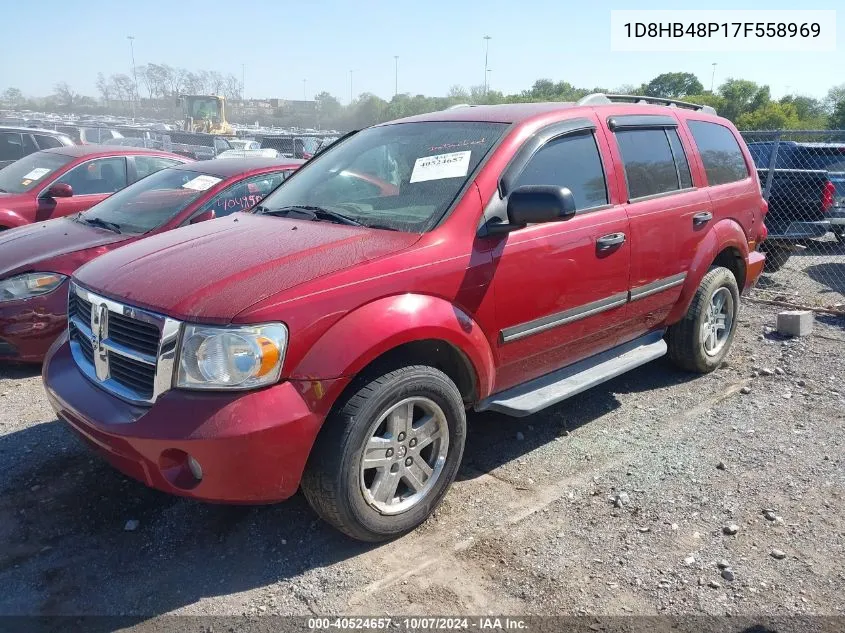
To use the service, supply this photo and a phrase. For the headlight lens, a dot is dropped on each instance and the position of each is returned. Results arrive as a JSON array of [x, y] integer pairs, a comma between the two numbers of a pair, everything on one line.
[[29, 285], [242, 357]]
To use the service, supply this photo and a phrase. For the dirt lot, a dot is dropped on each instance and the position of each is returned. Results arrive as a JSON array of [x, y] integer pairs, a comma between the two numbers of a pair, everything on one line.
[[615, 502]]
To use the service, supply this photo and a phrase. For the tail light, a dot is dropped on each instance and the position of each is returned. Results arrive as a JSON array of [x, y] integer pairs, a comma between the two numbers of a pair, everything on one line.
[[828, 194]]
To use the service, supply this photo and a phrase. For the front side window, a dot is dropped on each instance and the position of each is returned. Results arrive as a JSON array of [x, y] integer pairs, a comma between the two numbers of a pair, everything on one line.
[[573, 162], [29, 146], [720, 152], [403, 176], [101, 175], [151, 202], [91, 135], [649, 164], [243, 195], [30, 171], [46, 142]]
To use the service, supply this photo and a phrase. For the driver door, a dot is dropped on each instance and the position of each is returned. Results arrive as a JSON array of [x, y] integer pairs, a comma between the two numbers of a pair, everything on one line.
[[560, 288], [92, 181]]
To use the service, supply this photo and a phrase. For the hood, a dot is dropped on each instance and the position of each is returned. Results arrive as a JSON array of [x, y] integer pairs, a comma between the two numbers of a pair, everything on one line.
[[40, 246], [213, 270]]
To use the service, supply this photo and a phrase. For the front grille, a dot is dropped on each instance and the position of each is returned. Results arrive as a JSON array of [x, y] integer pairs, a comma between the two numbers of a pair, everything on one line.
[[134, 334], [127, 351], [132, 374]]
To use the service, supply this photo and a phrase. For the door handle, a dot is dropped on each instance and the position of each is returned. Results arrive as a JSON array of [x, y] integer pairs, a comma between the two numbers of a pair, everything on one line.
[[702, 218], [607, 242]]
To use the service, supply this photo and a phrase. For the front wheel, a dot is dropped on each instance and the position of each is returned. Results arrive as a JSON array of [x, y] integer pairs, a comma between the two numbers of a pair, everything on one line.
[[385, 458], [700, 340]]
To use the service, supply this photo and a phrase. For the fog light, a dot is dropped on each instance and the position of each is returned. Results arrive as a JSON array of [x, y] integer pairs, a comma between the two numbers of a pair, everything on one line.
[[196, 469]]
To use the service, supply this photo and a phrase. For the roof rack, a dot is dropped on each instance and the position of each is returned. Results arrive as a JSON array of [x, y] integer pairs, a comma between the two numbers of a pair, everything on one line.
[[460, 105], [599, 98]]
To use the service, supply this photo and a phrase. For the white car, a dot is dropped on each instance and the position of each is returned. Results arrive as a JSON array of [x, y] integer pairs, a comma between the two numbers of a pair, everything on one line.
[[241, 143]]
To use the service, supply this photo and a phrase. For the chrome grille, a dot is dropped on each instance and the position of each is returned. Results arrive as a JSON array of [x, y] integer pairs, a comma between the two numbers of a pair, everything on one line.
[[127, 351]]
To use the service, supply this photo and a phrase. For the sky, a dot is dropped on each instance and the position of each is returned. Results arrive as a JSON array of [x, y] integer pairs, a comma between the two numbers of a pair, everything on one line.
[[440, 43]]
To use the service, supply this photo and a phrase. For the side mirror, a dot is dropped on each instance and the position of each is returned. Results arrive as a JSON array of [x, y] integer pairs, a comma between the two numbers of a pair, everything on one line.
[[533, 204], [59, 190], [202, 217]]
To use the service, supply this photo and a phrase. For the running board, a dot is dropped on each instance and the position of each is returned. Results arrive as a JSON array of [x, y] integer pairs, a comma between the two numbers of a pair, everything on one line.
[[550, 389]]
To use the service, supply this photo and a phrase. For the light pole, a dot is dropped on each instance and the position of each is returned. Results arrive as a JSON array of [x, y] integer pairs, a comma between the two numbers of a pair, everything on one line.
[[305, 90], [131, 39], [350, 86], [713, 78], [487, 39], [396, 76], [487, 88], [243, 100]]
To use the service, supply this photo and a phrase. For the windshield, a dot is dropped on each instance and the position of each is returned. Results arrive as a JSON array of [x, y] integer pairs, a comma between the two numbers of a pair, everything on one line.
[[150, 202], [30, 171], [204, 108], [829, 158], [403, 176]]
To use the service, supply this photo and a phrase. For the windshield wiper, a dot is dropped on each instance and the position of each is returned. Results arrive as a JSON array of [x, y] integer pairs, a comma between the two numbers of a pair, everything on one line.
[[314, 213], [110, 226]]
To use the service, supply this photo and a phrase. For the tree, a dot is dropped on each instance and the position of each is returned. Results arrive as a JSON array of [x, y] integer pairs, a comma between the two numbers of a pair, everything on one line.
[[105, 87], [837, 119], [13, 97], [673, 86], [458, 93], [741, 96], [834, 96], [65, 95], [771, 116]]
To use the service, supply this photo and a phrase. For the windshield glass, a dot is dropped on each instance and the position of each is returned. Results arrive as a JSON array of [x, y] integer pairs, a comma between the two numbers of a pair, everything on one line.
[[203, 108], [402, 176], [151, 202], [829, 158], [30, 171]]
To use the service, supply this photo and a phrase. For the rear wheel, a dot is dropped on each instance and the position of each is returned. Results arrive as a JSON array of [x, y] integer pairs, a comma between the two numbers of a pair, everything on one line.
[[701, 340], [385, 458]]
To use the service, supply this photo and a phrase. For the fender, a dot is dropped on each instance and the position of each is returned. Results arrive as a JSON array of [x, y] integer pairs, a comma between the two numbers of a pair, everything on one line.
[[11, 220], [375, 328], [724, 234]]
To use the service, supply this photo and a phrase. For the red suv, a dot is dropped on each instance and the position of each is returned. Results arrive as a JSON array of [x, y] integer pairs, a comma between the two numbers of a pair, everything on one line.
[[493, 258]]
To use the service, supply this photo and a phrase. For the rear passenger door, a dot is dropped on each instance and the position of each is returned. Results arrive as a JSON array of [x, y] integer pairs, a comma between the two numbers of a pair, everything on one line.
[[560, 288], [667, 211]]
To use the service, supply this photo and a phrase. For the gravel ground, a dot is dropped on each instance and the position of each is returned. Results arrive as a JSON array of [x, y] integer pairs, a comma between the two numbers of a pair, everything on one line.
[[657, 493]]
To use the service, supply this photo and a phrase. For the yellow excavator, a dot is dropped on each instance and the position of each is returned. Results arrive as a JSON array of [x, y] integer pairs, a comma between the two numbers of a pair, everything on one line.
[[205, 113]]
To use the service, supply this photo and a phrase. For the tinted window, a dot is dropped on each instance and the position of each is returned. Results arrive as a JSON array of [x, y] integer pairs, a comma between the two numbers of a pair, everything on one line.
[[91, 135], [10, 146], [72, 132], [649, 165], [146, 165], [572, 162], [720, 153], [243, 195], [680, 158], [102, 175], [46, 142]]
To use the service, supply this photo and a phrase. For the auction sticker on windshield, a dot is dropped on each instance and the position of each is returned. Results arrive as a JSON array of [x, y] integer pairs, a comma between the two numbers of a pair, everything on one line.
[[35, 174], [201, 183], [440, 166]]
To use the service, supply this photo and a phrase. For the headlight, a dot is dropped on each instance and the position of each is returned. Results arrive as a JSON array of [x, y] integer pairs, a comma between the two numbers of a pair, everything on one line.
[[242, 357], [29, 285]]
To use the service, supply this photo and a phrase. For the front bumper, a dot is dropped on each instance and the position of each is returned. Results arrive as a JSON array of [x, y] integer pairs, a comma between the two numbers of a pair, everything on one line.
[[754, 268], [798, 231], [29, 327], [252, 446]]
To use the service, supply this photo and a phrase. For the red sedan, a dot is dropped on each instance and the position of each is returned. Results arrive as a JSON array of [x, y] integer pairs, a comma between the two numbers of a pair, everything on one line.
[[36, 260], [64, 180]]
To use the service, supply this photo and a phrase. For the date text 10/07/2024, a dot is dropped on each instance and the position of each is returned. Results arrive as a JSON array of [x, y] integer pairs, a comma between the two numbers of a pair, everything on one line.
[[489, 623]]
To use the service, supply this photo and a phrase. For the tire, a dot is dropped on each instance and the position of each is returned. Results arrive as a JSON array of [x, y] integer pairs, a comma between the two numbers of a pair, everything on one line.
[[687, 343], [776, 257], [344, 495]]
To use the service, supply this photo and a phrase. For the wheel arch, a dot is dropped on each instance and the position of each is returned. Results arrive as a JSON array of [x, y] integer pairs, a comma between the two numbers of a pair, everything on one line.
[[724, 244]]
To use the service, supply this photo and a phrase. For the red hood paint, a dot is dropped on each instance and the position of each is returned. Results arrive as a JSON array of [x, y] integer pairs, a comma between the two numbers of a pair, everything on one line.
[[213, 270], [45, 246]]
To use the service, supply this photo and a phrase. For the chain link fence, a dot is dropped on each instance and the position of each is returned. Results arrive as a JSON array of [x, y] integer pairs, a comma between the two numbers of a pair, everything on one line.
[[802, 173]]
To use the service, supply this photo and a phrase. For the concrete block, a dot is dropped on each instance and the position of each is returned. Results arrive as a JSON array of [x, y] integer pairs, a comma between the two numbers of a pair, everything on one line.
[[795, 323]]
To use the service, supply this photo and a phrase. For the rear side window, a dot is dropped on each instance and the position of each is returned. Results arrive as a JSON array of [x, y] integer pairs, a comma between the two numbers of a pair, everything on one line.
[[11, 147], [720, 153], [29, 146], [681, 162], [573, 162], [46, 142], [650, 166]]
